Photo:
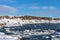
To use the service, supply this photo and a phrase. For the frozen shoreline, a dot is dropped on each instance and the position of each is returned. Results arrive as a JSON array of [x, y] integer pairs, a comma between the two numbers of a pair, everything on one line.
[[17, 22]]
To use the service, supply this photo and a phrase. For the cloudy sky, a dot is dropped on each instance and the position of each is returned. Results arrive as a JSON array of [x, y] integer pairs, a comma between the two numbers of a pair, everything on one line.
[[50, 8]]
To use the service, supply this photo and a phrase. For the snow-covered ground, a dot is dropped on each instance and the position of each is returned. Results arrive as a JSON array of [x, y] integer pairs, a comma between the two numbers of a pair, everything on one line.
[[7, 37], [18, 21]]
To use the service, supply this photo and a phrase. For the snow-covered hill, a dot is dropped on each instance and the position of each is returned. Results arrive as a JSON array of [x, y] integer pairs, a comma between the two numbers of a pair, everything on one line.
[[20, 20]]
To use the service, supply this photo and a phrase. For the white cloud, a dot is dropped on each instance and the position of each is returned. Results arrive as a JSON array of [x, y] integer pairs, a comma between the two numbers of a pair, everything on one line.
[[37, 7], [49, 12], [34, 7], [52, 7], [7, 9], [41, 9], [49, 7], [44, 7]]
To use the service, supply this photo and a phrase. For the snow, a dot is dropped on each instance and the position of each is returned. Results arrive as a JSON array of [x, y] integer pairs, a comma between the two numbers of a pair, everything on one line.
[[6, 37], [18, 21]]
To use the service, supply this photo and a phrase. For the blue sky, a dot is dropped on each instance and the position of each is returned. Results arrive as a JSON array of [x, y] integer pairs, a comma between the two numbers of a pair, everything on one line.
[[47, 8]]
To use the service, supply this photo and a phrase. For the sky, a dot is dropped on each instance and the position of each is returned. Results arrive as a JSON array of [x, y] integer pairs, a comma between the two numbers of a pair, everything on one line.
[[46, 8]]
